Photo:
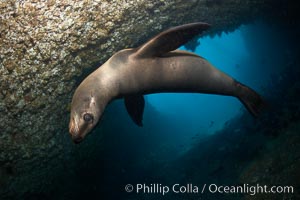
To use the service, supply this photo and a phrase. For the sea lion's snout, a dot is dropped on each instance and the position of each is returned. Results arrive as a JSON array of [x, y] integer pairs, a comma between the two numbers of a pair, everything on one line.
[[72, 128], [74, 132], [80, 127]]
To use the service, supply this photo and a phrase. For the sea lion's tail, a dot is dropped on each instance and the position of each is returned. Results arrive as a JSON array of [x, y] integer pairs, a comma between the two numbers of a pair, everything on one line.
[[251, 99]]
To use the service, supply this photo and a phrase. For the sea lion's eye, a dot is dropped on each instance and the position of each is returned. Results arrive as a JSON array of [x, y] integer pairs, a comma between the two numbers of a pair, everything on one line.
[[88, 117]]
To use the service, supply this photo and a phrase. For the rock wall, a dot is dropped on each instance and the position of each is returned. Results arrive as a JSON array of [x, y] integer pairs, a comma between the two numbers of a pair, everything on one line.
[[47, 47]]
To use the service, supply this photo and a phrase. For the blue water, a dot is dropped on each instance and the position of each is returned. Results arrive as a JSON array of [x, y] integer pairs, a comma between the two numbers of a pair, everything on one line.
[[202, 113], [252, 54]]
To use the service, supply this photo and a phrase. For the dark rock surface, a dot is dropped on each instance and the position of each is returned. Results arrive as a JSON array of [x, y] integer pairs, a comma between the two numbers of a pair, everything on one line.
[[46, 47]]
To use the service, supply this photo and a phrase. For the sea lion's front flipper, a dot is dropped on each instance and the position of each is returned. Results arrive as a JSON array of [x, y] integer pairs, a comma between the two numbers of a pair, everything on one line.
[[135, 107], [171, 39]]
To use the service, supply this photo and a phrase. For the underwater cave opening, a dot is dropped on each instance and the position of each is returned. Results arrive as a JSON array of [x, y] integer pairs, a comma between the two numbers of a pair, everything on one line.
[[253, 54]]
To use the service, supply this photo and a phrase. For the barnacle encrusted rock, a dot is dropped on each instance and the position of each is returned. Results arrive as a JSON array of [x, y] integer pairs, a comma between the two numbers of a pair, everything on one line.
[[46, 45]]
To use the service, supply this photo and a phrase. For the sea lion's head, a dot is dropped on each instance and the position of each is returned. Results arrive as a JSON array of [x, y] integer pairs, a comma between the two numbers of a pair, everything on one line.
[[85, 113]]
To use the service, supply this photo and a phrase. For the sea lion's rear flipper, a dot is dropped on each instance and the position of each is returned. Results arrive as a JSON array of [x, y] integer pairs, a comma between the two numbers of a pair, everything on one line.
[[135, 107], [171, 39], [252, 101]]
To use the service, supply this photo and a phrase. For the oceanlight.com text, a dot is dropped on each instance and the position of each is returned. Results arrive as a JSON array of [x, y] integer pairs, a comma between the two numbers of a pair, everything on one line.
[[250, 189], [161, 189]]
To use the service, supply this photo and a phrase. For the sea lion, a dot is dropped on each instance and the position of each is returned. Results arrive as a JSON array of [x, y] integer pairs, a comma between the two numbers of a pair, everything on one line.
[[154, 67]]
